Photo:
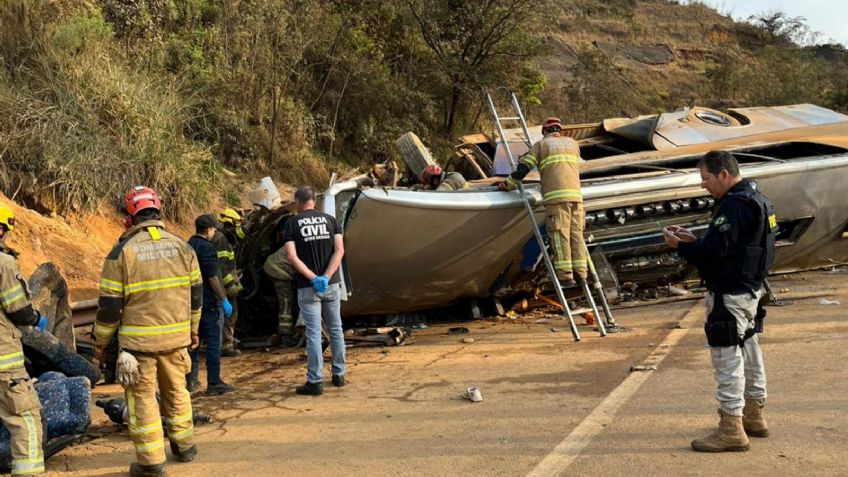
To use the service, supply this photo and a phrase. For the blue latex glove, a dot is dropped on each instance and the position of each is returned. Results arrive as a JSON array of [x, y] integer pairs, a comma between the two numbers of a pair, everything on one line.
[[320, 283], [228, 307], [42, 323]]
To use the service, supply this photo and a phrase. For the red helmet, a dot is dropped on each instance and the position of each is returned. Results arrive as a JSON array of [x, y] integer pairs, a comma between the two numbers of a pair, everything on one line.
[[430, 171], [139, 198], [551, 123]]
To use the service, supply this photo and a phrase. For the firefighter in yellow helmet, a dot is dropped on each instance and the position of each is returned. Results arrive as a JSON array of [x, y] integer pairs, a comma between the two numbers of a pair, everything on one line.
[[558, 160], [150, 295], [20, 408], [226, 242]]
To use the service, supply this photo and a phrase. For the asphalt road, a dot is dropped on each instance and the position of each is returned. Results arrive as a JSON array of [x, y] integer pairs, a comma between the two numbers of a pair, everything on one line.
[[551, 406]]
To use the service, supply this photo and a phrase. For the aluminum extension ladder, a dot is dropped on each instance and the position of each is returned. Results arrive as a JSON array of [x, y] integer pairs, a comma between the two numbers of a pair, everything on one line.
[[596, 283]]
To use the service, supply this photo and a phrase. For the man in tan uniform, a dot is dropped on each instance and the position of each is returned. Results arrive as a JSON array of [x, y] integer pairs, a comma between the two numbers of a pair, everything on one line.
[[558, 160], [434, 178], [150, 295], [20, 408], [277, 267]]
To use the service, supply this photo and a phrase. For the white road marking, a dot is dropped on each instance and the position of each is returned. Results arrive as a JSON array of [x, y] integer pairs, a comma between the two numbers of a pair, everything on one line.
[[564, 454]]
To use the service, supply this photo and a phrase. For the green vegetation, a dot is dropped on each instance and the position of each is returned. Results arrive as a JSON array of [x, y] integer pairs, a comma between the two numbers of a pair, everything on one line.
[[97, 95]]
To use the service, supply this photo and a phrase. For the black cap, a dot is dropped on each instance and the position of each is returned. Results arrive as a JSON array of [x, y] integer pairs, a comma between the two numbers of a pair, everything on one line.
[[203, 222]]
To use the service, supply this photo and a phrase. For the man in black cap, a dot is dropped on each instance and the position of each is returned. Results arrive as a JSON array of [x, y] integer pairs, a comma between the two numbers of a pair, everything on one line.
[[215, 307]]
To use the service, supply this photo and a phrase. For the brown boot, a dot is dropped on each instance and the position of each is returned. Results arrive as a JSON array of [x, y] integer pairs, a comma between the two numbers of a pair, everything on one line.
[[752, 420], [729, 437]]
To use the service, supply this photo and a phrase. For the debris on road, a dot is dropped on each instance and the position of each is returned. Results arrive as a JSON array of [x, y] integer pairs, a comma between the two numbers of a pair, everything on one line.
[[458, 330], [473, 395], [643, 368], [116, 410], [825, 301], [64, 412], [467, 340], [387, 337]]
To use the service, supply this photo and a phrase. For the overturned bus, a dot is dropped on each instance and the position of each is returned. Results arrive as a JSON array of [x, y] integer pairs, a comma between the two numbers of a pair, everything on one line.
[[409, 250]]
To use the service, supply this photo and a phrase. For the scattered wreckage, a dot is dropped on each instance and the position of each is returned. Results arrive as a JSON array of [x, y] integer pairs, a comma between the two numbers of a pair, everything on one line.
[[409, 250], [64, 378]]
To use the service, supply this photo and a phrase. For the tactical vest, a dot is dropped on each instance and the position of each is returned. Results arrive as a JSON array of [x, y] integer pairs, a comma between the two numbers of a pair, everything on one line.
[[752, 261]]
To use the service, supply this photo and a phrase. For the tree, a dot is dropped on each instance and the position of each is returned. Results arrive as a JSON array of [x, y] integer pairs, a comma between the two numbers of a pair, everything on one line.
[[477, 44]]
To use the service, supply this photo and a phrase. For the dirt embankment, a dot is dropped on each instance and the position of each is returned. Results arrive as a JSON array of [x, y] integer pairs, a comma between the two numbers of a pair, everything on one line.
[[77, 245]]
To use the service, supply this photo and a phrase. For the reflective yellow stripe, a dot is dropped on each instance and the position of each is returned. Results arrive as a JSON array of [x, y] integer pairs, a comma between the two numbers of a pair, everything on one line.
[[228, 278], [33, 444], [558, 248], [195, 276], [28, 466], [185, 417], [529, 159], [150, 446], [772, 221], [102, 330], [240, 233], [131, 409], [11, 361], [148, 429], [512, 183], [111, 285], [154, 233], [12, 295], [155, 330], [182, 435], [227, 254], [160, 284], [562, 194], [557, 159]]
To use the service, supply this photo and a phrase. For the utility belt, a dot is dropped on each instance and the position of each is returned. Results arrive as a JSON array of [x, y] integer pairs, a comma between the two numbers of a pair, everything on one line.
[[721, 326]]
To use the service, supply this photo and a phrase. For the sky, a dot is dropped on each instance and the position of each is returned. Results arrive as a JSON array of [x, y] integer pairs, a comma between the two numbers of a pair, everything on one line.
[[825, 16]]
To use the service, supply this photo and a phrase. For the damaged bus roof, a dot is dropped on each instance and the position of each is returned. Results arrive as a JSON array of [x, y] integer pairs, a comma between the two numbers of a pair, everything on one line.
[[411, 250]]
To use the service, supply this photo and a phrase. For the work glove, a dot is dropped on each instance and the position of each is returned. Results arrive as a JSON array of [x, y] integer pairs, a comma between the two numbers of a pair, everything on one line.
[[228, 307], [320, 283], [42, 323], [126, 371]]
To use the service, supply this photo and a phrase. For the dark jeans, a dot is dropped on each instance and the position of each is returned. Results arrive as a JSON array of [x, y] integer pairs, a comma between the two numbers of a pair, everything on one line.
[[211, 321]]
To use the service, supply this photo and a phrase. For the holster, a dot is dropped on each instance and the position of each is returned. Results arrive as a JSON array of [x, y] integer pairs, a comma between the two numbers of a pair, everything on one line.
[[720, 327], [759, 320]]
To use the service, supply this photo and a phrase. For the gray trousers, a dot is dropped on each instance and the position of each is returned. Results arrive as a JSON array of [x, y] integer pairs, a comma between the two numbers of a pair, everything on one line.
[[739, 370]]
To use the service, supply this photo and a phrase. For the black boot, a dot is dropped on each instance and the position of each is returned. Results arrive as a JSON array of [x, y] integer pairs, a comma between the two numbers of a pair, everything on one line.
[[338, 381], [310, 389], [219, 388], [187, 455], [138, 470]]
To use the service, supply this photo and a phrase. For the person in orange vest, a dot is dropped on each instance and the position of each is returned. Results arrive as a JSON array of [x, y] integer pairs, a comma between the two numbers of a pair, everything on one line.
[[150, 296], [20, 408], [558, 159]]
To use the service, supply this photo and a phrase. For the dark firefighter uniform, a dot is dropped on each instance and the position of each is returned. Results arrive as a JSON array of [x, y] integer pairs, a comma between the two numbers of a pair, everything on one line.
[[227, 266], [558, 160], [733, 259], [150, 295], [20, 408]]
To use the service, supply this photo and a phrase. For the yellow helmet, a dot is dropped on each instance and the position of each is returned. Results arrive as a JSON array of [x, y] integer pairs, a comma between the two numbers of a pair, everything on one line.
[[7, 217], [229, 216]]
